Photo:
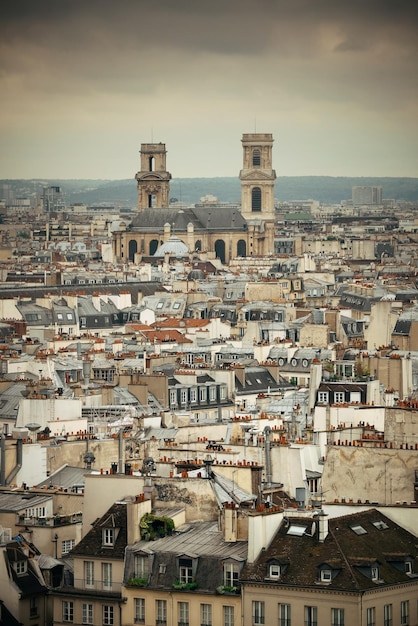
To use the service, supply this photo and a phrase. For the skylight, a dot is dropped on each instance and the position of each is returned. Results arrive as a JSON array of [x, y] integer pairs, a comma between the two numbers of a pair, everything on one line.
[[380, 525], [359, 530]]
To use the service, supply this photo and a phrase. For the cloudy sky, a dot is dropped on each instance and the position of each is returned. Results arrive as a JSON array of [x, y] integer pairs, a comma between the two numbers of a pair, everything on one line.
[[85, 82]]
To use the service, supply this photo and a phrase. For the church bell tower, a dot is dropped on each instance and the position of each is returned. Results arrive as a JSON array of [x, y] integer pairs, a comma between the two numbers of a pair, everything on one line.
[[153, 180], [257, 177]]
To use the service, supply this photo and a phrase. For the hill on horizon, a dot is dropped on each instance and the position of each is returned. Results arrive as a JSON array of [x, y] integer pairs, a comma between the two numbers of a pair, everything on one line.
[[325, 189]]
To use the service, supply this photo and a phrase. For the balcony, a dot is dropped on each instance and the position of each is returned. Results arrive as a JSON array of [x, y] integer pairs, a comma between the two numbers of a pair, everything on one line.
[[96, 588], [55, 520]]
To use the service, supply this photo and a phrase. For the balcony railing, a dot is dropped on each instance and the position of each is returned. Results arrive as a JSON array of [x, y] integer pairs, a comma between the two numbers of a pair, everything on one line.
[[97, 587], [55, 520]]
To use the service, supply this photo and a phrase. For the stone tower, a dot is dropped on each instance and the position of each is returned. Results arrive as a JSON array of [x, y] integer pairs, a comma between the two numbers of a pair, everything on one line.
[[257, 177], [257, 192], [153, 179]]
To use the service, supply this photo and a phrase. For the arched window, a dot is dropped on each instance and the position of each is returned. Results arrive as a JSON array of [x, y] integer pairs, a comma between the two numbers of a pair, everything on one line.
[[153, 245], [256, 157], [198, 246], [152, 200], [220, 249], [132, 249], [151, 163], [241, 248], [256, 199]]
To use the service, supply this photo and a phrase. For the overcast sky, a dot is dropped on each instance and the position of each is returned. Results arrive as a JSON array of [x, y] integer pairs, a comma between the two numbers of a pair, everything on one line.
[[84, 82]]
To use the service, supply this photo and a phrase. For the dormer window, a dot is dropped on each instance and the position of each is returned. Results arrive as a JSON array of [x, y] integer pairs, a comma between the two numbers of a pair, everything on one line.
[[375, 573], [185, 570], [326, 575], [275, 570], [108, 537], [408, 568], [21, 567]]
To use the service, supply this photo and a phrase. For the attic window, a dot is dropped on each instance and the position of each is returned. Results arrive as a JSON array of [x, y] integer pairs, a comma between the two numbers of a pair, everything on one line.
[[108, 537], [408, 568], [359, 530], [326, 575], [21, 567], [380, 525], [176, 305], [274, 570], [375, 573], [160, 305]]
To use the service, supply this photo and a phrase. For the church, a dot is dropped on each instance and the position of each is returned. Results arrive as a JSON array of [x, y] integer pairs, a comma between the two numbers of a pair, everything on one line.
[[221, 232]]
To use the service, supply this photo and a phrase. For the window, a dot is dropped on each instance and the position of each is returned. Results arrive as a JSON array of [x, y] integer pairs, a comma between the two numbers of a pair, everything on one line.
[[326, 576], [371, 616], [339, 397], [139, 610], [258, 612], [60, 316], [256, 199], [183, 613], [228, 616], [108, 615], [33, 606], [223, 392], [107, 576], [193, 395], [408, 567], [387, 615], [108, 536], [231, 574], [202, 394], [323, 397], [405, 613], [205, 615], [183, 396], [67, 545], [20, 567], [337, 617], [173, 397], [160, 305], [89, 573], [311, 616], [274, 570], [161, 611], [141, 566], [185, 570], [256, 157], [87, 613], [212, 393], [375, 573], [284, 614], [67, 611]]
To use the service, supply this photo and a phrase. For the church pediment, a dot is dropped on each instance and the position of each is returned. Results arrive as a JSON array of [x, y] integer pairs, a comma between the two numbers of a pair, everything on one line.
[[257, 174]]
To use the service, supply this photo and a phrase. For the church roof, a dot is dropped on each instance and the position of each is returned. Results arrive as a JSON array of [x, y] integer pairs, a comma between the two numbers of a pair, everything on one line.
[[202, 218]]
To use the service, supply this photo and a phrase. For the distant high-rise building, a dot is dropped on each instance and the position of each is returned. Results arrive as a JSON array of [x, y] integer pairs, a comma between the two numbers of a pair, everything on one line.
[[367, 195], [52, 199]]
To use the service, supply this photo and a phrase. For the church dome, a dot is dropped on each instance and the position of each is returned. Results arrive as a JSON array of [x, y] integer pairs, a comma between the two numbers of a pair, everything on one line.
[[174, 247]]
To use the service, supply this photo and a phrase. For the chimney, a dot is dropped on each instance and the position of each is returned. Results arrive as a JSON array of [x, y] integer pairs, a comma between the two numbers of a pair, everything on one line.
[[323, 526]]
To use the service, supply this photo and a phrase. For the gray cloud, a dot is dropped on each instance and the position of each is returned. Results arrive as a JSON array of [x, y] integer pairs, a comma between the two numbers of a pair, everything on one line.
[[76, 71]]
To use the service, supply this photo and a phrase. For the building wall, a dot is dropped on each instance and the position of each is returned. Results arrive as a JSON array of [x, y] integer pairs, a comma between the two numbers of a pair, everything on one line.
[[355, 605], [381, 475]]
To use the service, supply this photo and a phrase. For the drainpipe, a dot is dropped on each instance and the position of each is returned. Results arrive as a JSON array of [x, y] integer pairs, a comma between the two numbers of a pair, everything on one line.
[[267, 433], [18, 466], [3, 460], [120, 467]]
